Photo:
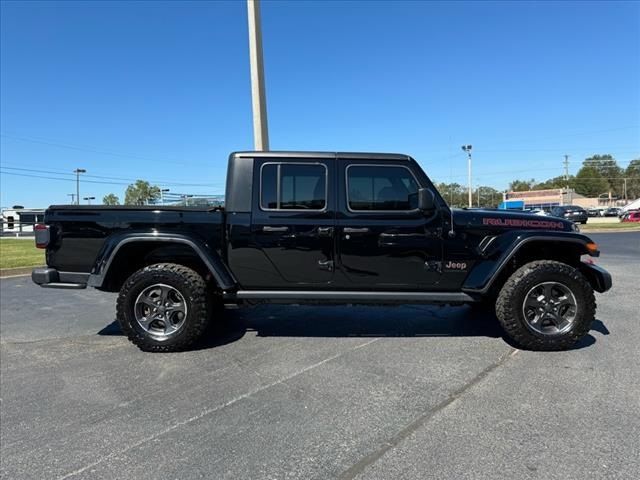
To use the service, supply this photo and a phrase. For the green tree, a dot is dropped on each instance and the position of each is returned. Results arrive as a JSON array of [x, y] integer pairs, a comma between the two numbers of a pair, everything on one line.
[[608, 169], [454, 194], [141, 193], [589, 182], [632, 174], [521, 185], [556, 182], [111, 199], [457, 195], [489, 197]]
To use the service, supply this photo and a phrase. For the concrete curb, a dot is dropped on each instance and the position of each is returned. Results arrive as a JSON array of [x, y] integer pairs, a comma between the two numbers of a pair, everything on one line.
[[16, 272]]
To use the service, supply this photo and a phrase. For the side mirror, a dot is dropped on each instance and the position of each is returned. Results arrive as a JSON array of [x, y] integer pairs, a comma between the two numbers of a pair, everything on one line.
[[426, 200]]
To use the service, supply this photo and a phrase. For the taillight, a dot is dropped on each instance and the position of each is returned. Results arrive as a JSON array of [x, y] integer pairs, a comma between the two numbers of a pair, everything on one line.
[[42, 235]]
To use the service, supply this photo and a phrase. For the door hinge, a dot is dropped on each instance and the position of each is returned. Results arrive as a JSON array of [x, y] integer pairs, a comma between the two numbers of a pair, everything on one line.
[[325, 265]]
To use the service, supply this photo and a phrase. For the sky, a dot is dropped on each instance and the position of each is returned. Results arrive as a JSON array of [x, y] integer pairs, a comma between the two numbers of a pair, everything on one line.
[[161, 90]]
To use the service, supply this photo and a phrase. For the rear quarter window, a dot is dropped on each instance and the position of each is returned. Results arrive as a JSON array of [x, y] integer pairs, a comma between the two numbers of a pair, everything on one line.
[[291, 186]]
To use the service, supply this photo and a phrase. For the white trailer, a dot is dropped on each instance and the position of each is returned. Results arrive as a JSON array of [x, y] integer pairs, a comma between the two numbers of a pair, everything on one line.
[[19, 220]]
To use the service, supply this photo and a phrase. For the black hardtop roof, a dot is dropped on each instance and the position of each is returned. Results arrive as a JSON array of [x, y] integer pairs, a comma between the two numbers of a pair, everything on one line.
[[339, 155]]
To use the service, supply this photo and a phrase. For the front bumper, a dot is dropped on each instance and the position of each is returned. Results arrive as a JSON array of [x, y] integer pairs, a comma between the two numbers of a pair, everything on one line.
[[51, 278], [598, 277]]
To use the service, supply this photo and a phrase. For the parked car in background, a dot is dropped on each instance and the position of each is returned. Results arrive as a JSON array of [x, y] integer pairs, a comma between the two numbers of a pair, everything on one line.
[[611, 212], [570, 212], [632, 216], [537, 211], [594, 212]]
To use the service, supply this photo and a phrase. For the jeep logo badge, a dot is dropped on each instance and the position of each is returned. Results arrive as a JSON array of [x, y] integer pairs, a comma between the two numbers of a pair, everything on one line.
[[455, 265]]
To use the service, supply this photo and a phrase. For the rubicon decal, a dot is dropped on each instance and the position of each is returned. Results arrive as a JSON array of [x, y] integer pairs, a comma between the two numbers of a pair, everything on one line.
[[517, 222]]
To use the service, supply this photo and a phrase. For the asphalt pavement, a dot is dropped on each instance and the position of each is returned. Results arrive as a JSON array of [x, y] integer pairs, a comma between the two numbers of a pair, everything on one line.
[[306, 392]]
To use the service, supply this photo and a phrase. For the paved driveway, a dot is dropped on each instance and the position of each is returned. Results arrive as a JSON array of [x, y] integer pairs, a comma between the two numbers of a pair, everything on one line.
[[319, 392]]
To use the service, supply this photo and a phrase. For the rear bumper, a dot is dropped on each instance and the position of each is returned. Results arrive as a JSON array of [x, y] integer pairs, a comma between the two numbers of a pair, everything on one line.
[[52, 278], [598, 277]]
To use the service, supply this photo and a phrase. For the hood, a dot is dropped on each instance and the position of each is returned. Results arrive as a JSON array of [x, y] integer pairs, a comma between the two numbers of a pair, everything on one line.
[[500, 220]]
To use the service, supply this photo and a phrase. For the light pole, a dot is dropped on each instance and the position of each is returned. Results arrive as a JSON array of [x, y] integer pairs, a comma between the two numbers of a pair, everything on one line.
[[78, 171], [162, 192], [258, 97], [73, 198], [467, 149], [88, 199]]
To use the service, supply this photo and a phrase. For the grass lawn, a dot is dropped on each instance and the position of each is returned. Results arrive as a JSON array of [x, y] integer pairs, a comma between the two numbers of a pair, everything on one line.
[[607, 226], [20, 253]]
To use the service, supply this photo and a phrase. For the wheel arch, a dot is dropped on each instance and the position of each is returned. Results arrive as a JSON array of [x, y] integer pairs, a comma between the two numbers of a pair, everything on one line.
[[512, 252], [121, 255]]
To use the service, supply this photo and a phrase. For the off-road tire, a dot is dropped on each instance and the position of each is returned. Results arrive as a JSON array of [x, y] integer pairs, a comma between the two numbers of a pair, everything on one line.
[[512, 295], [190, 285]]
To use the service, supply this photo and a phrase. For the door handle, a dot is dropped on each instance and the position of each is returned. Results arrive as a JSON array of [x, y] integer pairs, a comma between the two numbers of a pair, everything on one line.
[[325, 231], [355, 230], [267, 228]]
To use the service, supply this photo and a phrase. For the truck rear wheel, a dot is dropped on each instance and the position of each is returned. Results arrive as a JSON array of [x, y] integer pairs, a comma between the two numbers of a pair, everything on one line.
[[546, 305], [163, 307]]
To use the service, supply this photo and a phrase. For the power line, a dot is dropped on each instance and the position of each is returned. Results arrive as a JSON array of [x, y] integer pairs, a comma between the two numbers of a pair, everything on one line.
[[565, 135], [533, 169], [163, 182], [68, 179], [58, 178], [89, 149], [101, 151]]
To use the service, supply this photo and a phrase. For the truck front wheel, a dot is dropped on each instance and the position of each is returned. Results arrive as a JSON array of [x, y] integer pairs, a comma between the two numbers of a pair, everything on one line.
[[163, 307], [546, 305]]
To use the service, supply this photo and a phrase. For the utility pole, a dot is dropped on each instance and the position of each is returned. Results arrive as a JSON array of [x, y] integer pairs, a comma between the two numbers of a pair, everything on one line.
[[258, 97], [467, 149], [78, 171], [624, 189], [566, 176], [73, 197]]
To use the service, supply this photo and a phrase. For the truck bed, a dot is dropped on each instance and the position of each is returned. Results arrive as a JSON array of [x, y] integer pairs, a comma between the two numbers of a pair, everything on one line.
[[78, 232], [136, 207]]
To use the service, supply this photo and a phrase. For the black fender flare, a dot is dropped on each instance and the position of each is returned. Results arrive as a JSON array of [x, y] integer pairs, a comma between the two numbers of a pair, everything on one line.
[[114, 243], [496, 255]]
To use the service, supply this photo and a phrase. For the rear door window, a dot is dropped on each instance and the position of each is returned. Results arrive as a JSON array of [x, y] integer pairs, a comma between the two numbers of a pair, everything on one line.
[[381, 188]]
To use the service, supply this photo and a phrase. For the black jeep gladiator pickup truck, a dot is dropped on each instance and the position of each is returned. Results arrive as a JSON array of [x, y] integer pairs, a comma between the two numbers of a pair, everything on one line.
[[338, 228]]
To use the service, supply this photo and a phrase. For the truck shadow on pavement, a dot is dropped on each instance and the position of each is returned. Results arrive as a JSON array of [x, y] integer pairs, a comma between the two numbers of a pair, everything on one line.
[[316, 321]]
